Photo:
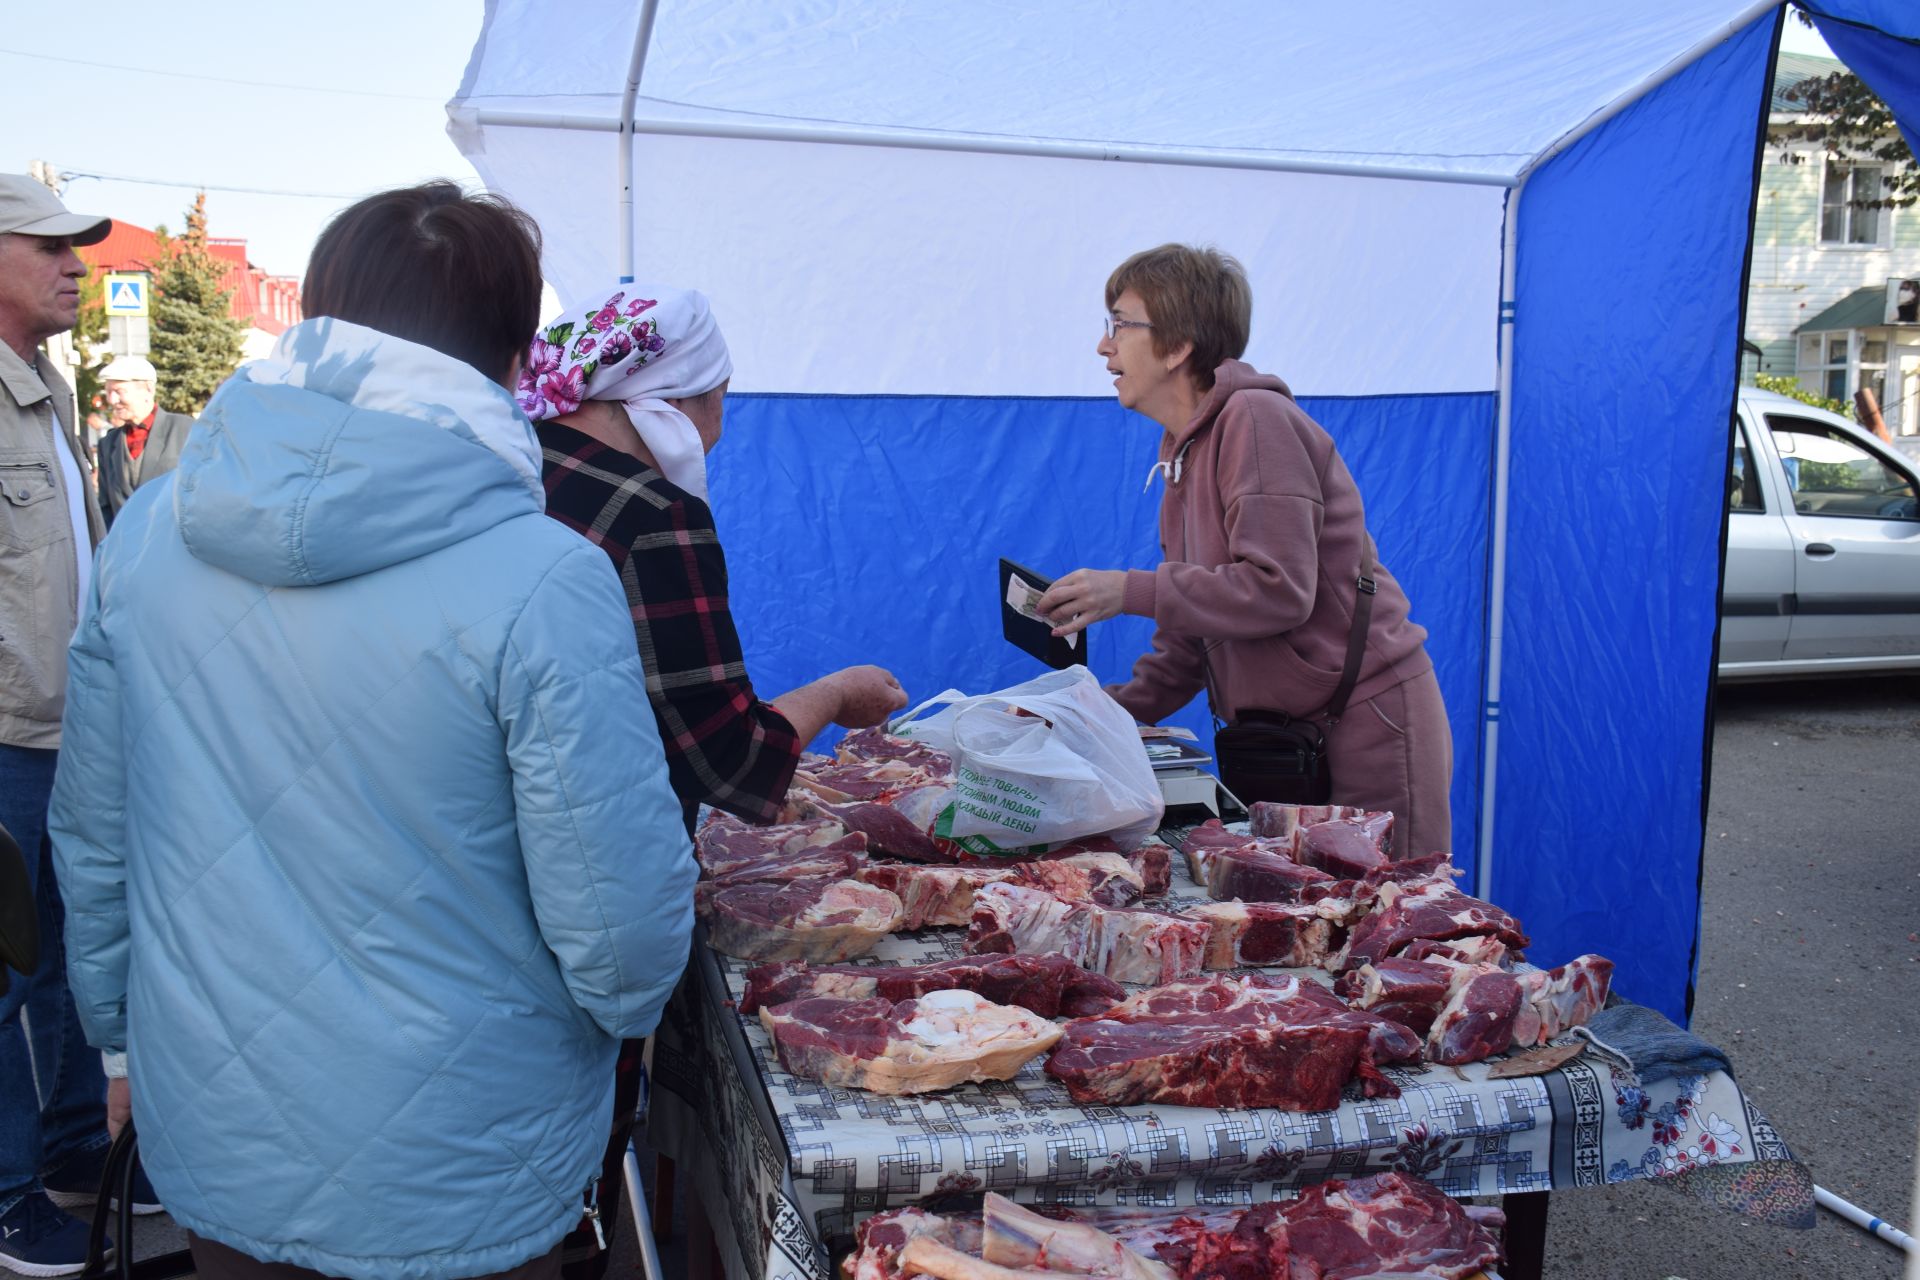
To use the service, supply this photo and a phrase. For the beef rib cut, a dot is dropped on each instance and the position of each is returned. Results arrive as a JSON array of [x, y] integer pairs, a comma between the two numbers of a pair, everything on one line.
[[934, 1041]]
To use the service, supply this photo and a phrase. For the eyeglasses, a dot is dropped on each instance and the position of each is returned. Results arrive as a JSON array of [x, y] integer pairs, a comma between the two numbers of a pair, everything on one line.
[[1114, 325]]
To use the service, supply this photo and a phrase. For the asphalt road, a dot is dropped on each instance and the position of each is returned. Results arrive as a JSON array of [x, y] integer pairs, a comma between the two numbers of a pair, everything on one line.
[[1809, 979]]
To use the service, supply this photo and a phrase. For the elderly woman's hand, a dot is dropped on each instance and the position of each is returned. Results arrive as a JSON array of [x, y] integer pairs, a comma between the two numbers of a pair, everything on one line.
[[1082, 598]]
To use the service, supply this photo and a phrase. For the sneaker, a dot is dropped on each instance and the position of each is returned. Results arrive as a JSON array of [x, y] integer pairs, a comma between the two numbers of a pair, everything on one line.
[[76, 1184], [38, 1239]]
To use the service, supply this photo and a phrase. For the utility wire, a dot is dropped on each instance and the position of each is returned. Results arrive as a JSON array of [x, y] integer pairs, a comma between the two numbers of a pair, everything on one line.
[[71, 174], [188, 75]]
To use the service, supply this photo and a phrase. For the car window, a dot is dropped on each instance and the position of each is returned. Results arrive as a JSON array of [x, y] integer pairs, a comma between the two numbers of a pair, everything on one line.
[[1743, 483], [1829, 474]]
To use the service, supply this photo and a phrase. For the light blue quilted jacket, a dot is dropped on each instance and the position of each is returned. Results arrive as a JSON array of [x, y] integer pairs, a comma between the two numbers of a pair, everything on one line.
[[362, 822]]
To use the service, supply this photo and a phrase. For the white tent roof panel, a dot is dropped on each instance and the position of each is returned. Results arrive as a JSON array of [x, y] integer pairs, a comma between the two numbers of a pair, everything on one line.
[[1443, 86]]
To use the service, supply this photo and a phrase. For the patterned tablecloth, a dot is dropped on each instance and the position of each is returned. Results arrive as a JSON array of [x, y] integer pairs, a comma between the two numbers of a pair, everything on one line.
[[786, 1166]]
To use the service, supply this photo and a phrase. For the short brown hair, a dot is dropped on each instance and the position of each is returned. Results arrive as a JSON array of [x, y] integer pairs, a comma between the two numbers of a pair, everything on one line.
[[1192, 295], [436, 266]]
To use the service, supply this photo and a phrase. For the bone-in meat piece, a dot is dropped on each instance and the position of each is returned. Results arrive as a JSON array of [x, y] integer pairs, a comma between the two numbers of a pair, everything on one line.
[[1349, 847], [1252, 874], [877, 744], [1411, 992], [1049, 985], [934, 1041], [1433, 910], [1253, 934], [724, 844], [817, 920], [1104, 879], [1569, 996], [1015, 1237], [933, 896], [1127, 946], [1273, 821], [1207, 839], [829, 862], [1253, 1041], [879, 1240]]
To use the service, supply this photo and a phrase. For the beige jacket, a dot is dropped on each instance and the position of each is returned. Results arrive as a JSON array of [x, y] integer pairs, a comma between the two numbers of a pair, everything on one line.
[[39, 575]]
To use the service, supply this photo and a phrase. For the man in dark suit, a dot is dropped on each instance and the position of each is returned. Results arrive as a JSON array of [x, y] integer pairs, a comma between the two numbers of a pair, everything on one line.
[[145, 441]]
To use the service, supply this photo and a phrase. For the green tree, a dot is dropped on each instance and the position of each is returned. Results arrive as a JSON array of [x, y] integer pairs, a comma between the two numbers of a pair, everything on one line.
[[196, 340], [1787, 386], [90, 339], [1853, 124]]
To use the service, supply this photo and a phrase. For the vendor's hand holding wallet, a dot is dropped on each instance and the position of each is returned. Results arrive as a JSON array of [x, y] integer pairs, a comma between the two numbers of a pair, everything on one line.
[[1021, 623]]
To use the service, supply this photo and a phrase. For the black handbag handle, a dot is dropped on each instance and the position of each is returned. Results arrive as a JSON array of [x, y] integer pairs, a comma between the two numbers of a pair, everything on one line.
[[116, 1184]]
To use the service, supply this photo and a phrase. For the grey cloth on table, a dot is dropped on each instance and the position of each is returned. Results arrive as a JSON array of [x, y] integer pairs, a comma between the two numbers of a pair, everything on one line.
[[1650, 1044]]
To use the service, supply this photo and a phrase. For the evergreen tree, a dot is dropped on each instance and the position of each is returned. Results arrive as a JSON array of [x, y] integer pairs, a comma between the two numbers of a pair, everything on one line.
[[196, 340]]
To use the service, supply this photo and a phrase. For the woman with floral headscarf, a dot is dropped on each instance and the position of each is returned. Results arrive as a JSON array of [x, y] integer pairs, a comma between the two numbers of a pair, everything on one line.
[[625, 391]]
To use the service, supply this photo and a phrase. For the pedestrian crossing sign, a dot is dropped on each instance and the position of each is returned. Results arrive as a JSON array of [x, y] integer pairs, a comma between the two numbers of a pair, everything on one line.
[[126, 293]]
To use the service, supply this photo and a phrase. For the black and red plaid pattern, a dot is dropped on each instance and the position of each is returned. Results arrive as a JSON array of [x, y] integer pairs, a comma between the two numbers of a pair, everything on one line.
[[724, 746]]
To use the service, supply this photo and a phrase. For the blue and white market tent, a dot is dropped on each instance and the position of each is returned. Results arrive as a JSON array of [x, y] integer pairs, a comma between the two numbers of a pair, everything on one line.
[[1497, 247]]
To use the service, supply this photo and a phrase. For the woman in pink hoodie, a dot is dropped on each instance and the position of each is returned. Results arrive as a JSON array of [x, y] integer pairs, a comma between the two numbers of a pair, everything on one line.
[[1264, 540]]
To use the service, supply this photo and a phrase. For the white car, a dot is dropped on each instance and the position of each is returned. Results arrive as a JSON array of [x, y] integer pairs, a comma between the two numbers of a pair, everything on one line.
[[1823, 547]]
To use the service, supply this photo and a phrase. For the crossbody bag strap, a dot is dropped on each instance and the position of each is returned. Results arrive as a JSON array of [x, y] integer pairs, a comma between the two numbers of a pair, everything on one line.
[[1365, 587]]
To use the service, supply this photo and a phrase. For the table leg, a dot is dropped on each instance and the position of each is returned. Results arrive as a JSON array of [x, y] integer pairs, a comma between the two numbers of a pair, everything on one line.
[[1525, 1239], [662, 1198], [703, 1251]]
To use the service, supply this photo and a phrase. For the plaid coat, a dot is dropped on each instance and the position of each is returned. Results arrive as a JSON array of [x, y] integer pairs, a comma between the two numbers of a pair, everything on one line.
[[724, 746]]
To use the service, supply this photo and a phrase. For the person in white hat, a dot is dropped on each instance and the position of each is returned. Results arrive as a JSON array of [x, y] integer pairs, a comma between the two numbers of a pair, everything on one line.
[[145, 441], [49, 525]]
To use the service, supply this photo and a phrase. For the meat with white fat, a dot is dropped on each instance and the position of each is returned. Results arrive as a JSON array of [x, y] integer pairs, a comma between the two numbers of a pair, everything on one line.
[[1125, 945], [1049, 985], [930, 1042], [822, 921]]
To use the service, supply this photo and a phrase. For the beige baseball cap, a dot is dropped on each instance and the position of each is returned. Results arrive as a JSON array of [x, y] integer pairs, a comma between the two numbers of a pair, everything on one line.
[[27, 208], [129, 369]]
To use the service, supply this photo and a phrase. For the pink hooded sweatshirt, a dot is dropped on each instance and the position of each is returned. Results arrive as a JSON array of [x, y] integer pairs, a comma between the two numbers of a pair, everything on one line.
[[1262, 531]]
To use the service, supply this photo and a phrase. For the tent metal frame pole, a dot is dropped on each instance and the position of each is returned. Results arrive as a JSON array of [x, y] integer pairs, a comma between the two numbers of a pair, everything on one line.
[[1503, 431], [765, 132], [1497, 593], [642, 38]]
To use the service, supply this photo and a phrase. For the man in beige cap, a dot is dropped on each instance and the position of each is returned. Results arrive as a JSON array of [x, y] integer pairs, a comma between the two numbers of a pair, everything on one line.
[[49, 524], [145, 440]]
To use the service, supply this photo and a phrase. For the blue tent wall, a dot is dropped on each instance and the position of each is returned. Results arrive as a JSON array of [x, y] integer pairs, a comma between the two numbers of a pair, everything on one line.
[[1631, 263], [868, 529]]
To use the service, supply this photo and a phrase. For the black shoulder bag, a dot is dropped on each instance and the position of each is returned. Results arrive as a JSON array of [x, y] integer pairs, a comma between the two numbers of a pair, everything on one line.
[[115, 1205], [1269, 755]]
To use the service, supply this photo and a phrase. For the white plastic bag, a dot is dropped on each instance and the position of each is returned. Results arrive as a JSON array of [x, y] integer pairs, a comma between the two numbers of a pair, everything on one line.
[[1072, 766]]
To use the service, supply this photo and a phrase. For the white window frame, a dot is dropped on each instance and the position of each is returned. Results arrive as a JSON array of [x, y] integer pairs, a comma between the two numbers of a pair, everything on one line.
[[1843, 170]]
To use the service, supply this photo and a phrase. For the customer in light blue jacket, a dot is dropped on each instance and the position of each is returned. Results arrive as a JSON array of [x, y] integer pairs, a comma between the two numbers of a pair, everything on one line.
[[362, 818]]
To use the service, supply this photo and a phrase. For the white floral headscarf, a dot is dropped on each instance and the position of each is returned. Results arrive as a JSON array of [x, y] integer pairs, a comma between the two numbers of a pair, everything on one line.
[[642, 346]]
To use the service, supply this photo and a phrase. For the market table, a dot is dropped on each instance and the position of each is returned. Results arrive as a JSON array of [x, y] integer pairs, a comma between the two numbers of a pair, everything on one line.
[[783, 1167]]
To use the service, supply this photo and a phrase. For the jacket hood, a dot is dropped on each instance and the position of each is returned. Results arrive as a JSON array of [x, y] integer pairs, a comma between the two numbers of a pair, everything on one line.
[[346, 451], [1231, 376]]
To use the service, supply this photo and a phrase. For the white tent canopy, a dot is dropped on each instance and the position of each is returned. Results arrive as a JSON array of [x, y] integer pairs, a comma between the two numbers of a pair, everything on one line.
[[1496, 247]]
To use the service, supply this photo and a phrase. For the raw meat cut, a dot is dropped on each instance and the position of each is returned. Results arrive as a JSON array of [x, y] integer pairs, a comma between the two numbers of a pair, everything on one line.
[[888, 829], [830, 862], [1433, 910], [1049, 985], [1428, 866], [1349, 848], [932, 896], [1271, 821], [1411, 992], [724, 843], [817, 920], [1569, 996], [934, 1041], [1207, 839], [1264, 933], [1252, 874], [1015, 1237], [878, 744], [1491, 1010], [879, 1240], [1127, 946], [1151, 860], [1104, 879], [1479, 949], [875, 780], [1389, 1224], [1253, 1041]]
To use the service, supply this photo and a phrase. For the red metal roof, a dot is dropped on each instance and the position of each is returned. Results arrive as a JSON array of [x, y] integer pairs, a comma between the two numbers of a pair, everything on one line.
[[269, 303]]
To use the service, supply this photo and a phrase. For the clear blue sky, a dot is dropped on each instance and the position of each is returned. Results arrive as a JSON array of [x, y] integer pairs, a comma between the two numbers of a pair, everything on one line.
[[326, 136]]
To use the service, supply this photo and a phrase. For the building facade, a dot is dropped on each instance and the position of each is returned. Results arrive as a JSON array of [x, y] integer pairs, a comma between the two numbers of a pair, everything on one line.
[[267, 304], [1818, 285]]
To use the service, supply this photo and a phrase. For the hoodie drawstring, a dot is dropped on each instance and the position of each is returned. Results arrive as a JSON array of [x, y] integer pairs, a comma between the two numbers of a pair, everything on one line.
[[1169, 470]]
